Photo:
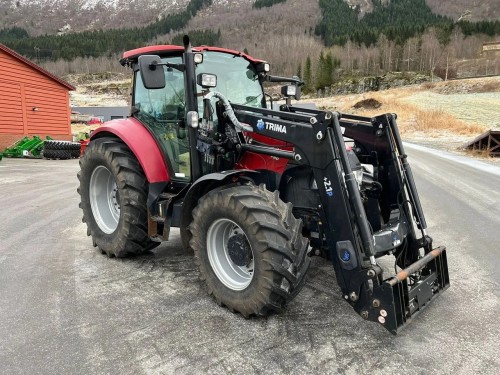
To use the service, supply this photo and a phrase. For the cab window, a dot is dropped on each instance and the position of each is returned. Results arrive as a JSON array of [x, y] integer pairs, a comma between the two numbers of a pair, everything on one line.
[[163, 112]]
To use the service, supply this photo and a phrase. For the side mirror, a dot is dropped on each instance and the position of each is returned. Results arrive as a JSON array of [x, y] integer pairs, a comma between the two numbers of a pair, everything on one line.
[[152, 74]]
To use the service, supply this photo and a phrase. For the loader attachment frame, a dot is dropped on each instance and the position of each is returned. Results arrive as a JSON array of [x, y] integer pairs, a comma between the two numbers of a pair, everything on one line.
[[318, 140], [401, 298]]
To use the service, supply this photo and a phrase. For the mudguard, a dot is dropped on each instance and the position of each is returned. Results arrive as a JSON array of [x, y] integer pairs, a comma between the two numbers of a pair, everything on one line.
[[141, 142], [204, 184]]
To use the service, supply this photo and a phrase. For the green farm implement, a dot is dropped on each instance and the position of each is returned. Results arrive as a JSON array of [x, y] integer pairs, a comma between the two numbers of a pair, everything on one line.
[[26, 147]]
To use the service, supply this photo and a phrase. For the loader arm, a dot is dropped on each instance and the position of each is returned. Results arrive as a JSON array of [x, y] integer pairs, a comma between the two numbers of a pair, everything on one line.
[[318, 140]]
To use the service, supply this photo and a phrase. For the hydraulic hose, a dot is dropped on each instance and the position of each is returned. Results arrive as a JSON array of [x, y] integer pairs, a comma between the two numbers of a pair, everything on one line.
[[229, 111]]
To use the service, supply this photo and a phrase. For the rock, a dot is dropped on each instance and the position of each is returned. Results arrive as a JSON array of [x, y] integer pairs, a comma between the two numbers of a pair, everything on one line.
[[358, 85], [368, 104]]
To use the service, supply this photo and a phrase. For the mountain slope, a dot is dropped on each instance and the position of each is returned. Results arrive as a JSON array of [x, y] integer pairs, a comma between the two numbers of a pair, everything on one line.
[[475, 10], [51, 16], [282, 34]]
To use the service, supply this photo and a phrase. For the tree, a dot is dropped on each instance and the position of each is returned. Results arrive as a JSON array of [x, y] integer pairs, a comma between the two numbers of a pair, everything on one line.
[[324, 73], [308, 84], [320, 71], [266, 3]]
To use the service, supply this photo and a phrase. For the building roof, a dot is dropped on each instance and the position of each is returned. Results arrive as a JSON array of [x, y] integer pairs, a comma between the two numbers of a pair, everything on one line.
[[36, 67]]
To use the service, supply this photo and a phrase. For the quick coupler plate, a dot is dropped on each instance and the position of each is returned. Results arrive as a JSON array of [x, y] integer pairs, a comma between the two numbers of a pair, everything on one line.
[[399, 299]]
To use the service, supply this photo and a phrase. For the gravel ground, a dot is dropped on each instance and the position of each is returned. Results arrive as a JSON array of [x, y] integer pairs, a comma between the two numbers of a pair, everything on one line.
[[67, 309]]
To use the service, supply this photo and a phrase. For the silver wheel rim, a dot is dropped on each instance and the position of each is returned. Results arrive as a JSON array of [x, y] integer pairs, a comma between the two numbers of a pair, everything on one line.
[[231, 275], [104, 199]]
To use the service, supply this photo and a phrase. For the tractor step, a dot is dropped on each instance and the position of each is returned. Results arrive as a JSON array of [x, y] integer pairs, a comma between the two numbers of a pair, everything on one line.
[[160, 223]]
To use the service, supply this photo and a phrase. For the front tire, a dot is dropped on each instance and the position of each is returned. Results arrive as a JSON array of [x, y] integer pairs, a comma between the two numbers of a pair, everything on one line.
[[113, 190], [249, 249]]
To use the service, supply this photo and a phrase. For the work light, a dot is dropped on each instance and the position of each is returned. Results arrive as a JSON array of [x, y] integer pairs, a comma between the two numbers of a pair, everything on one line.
[[207, 80], [198, 58], [289, 90]]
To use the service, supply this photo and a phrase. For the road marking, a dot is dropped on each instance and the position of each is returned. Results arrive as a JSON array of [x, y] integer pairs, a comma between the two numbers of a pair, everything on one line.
[[476, 164]]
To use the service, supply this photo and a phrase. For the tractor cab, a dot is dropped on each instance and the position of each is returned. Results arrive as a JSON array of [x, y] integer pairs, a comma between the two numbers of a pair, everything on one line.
[[162, 106]]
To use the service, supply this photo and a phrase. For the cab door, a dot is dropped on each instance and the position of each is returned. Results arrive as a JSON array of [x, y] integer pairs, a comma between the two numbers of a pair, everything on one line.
[[163, 111]]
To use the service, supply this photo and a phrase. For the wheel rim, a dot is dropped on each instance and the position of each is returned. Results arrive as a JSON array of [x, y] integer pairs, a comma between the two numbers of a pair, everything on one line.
[[104, 199], [233, 276]]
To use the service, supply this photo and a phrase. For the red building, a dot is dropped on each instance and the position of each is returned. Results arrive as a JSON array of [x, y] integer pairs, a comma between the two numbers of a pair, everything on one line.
[[32, 100]]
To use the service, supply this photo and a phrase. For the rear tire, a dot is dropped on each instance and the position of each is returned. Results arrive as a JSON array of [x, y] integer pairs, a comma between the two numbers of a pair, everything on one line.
[[249, 249], [113, 190]]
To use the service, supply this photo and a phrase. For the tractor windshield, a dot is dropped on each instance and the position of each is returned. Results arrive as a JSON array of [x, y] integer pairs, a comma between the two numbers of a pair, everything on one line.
[[237, 79]]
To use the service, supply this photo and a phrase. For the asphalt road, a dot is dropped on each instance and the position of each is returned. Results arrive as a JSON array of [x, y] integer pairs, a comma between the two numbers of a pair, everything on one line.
[[66, 309]]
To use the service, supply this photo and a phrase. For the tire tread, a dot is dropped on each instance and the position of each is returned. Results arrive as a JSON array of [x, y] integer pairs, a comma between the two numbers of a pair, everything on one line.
[[279, 240], [133, 237]]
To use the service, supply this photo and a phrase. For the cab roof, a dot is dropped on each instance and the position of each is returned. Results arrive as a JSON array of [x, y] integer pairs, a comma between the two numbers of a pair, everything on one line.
[[169, 48]]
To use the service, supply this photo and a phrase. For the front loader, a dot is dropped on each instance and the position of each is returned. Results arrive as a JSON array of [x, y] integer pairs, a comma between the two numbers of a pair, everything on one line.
[[255, 191]]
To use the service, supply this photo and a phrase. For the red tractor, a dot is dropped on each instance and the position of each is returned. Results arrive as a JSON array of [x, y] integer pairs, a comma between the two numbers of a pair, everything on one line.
[[256, 192]]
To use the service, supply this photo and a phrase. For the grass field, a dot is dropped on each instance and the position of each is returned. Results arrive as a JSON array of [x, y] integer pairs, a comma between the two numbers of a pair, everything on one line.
[[444, 115]]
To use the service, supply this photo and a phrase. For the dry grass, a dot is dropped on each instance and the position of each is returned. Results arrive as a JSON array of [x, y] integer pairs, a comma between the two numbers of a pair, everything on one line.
[[411, 119], [491, 86], [438, 120], [464, 86], [428, 85], [482, 154]]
